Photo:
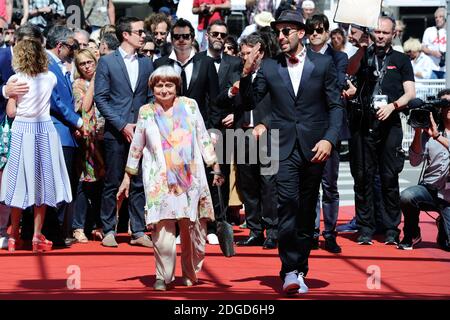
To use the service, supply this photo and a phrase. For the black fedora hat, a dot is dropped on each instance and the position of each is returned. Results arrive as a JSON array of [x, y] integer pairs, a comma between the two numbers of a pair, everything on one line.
[[289, 16]]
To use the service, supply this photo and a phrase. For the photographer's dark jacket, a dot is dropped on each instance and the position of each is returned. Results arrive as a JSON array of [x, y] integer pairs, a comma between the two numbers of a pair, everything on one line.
[[437, 166]]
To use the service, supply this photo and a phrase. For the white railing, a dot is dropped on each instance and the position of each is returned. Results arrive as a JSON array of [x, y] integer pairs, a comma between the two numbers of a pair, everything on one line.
[[424, 89]]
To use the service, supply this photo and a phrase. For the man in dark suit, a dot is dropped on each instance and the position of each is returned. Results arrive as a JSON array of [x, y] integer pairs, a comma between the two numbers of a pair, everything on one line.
[[121, 88], [258, 188], [318, 27], [307, 112], [228, 70], [60, 49]]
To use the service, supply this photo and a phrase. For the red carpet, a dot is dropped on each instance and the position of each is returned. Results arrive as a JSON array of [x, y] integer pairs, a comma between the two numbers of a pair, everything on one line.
[[128, 272]]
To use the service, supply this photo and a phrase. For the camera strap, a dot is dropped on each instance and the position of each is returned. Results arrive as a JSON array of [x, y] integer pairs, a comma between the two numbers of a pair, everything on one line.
[[380, 73]]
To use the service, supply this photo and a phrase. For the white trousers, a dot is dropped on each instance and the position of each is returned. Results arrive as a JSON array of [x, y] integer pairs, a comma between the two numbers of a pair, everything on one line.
[[193, 241]]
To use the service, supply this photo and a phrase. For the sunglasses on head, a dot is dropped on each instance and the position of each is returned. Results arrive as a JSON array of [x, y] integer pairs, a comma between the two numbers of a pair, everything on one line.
[[185, 36], [318, 30], [215, 34], [285, 31]]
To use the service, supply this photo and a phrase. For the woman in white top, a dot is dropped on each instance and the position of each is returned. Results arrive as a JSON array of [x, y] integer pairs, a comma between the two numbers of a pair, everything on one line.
[[35, 174], [422, 64]]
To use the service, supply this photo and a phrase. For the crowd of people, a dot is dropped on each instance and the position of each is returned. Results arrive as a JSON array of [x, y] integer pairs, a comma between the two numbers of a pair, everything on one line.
[[139, 111]]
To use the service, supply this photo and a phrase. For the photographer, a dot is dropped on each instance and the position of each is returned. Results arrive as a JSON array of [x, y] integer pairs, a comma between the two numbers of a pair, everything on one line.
[[385, 85], [433, 192], [208, 11]]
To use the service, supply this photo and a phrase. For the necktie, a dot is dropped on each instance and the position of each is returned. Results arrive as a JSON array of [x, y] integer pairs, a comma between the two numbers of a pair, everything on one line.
[[293, 59], [184, 84], [218, 60]]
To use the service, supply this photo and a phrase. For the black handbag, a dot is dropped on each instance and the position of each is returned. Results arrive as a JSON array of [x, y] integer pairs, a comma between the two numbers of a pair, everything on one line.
[[225, 230]]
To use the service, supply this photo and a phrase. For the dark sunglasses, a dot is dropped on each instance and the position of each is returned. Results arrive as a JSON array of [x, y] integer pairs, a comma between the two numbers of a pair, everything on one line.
[[71, 47], [145, 51], [285, 31], [1, 30], [138, 32], [318, 30], [185, 36], [216, 34]]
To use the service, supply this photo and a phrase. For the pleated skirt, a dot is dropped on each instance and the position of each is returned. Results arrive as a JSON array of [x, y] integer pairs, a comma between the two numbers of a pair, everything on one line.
[[35, 173]]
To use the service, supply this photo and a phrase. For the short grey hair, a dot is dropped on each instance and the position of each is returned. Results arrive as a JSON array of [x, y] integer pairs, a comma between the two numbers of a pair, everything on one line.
[[58, 34], [83, 32], [165, 73]]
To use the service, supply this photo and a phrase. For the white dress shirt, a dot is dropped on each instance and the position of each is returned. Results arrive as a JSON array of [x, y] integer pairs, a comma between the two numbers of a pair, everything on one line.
[[216, 64], [296, 70], [188, 69], [424, 65], [132, 65]]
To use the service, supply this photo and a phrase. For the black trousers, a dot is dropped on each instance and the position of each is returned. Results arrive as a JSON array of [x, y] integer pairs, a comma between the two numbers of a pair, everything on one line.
[[116, 154], [298, 183], [369, 151], [259, 194]]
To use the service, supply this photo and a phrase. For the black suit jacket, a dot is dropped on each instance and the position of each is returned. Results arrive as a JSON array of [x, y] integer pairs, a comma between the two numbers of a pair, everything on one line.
[[203, 88], [340, 60], [314, 114]]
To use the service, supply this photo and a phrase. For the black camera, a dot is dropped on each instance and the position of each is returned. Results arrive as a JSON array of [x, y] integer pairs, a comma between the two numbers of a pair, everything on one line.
[[419, 116], [442, 60]]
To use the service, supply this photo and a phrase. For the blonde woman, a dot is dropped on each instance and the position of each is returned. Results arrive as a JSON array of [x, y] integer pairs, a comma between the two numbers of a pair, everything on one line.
[[35, 174], [422, 64]]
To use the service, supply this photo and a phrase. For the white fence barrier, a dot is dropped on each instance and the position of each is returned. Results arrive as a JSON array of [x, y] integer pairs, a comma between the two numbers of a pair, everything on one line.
[[424, 89]]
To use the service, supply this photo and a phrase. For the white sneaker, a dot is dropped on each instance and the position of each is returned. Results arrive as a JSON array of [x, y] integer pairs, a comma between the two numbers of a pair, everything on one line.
[[291, 284], [303, 288], [212, 239], [4, 242], [178, 240]]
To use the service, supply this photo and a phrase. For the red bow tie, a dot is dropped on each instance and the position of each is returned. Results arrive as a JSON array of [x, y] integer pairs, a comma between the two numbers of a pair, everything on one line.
[[293, 59]]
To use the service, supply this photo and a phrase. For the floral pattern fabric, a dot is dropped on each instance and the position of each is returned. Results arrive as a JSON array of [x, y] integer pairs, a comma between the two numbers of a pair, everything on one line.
[[161, 201]]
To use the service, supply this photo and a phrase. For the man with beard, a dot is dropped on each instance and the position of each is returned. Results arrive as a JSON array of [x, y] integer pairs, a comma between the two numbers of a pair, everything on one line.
[[228, 69], [385, 85], [307, 111], [159, 25]]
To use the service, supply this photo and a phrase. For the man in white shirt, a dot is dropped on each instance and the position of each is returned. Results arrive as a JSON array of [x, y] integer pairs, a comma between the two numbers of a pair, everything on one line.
[[434, 43], [422, 63]]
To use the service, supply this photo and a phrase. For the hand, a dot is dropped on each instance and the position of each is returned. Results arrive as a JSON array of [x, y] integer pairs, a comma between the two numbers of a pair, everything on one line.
[[78, 135], [350, 92], [252, 60], [128, 131], [14, 88], [228, 121], [433, 130], [258, 131], [436, 54], [322, 150], [385, 111], [235, 88], [218, 180], [124, 188], [46, 9], [212, 8]]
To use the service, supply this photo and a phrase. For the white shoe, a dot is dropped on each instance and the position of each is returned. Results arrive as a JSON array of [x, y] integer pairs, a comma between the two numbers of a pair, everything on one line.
[[303, 288], [291, 283], [212, 239], [178, 240], [4, 242]]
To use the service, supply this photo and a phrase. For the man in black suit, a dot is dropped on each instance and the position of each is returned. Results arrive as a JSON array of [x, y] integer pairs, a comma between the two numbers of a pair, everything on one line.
[[307, 112], [258, 188], [228, 70], [318, 27], [121, 88]]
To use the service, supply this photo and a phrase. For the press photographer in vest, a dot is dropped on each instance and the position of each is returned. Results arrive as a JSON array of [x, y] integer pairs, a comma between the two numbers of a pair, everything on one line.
[[430, 145], [385, 86]]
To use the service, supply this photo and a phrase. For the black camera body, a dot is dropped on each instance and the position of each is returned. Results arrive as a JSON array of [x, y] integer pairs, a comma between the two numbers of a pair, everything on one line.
[[419, 116], [442, 60]]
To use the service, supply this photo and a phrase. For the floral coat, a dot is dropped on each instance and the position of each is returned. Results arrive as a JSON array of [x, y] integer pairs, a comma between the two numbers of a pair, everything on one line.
[[196, 202]]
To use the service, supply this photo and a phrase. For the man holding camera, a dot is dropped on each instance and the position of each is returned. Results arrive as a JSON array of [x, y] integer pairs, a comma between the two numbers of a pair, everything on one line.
[[434, 43], [385, 85], [433, 192]]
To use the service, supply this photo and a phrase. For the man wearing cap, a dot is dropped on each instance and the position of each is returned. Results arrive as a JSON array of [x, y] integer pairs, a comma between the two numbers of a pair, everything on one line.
[[262, 20], [307, 112]]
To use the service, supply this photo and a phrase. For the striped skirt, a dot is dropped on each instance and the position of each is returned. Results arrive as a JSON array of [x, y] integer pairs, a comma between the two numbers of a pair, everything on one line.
[[35, 173]]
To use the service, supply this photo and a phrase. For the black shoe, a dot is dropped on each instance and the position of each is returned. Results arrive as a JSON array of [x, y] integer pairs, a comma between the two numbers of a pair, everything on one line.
[[391, 239], [331, 245], [62, 243], [315, 243], [409, 242], [251, 241], [364, 239], [270, 244]]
